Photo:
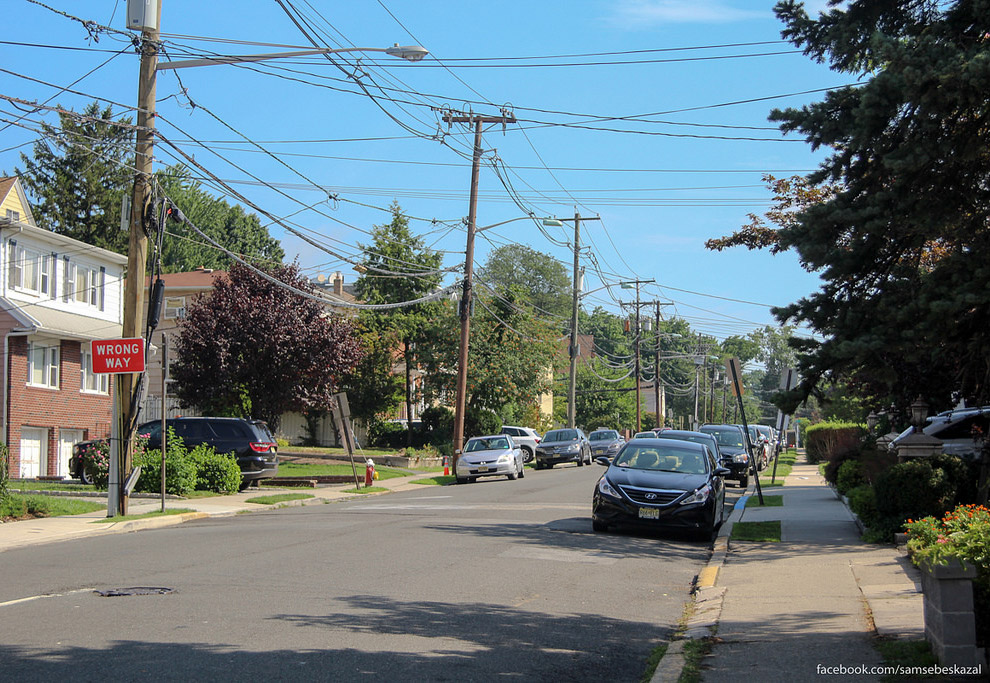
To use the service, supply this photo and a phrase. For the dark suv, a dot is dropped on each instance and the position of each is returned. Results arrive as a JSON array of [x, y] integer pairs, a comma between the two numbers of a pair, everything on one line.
[[247, 440]]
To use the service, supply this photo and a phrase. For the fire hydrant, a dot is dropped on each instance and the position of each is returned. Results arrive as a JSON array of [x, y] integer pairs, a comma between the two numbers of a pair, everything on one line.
[[369, 472]]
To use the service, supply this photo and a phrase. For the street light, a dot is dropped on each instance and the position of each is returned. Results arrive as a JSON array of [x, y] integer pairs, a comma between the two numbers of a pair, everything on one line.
[[126, 385], [412, 53]]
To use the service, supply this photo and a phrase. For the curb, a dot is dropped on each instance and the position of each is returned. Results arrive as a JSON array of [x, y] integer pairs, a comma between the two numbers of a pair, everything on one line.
[[706, 600]]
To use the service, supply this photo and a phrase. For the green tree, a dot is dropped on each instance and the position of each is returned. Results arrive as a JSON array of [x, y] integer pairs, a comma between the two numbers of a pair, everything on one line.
[[229, 225], [372, 386], [545, 282], [901, 245], [601, 403], [253, 348], [398, 267], [78, 173]]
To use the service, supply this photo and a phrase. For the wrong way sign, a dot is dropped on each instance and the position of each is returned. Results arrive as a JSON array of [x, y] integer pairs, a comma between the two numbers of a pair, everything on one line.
[[116, 356]]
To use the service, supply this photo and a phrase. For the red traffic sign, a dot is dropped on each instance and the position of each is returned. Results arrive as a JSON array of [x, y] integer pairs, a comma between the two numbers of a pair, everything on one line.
[[117, 356]]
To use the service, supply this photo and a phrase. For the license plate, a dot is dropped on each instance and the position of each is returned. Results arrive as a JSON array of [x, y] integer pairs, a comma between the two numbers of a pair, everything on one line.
[[649, 513], [482, 469]]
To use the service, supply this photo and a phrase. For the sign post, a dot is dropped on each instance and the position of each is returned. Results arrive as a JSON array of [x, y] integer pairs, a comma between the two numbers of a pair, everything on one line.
[[117, 357], [787, 381], [734, 371]]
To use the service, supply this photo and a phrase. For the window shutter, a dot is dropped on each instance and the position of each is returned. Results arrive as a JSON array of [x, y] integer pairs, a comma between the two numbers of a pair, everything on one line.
[[102, 286], [14, 277], [53, 265], [53, 377], [70, 282]]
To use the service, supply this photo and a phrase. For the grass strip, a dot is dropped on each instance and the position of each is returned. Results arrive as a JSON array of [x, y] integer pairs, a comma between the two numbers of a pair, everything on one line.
[[694, 653], [907, 654], [768, 501], [367, 489], [279, 498], [146, 515], [757, 532], [435, 481], [19, 505], [297, 469]]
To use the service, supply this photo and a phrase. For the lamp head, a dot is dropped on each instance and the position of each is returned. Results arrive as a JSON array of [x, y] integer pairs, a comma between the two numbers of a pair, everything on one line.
[[413, 53]]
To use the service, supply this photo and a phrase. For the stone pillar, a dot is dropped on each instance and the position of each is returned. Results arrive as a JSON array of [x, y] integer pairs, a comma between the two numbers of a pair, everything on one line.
[[950, 624]]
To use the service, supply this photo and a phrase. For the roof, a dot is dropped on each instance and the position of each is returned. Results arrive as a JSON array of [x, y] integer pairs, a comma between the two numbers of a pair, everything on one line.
[[42, 320], [201, 278], [6, 184]]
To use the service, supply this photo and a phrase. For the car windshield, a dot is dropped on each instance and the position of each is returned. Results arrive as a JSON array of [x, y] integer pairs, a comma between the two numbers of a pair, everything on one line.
[[561, 435], [491, 444], [610, 435], [661, 459], [687, 437], [645, 435], [728, 437]]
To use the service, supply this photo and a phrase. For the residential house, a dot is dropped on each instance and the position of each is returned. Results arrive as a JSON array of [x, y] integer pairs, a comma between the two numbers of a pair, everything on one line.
[[57, 295]]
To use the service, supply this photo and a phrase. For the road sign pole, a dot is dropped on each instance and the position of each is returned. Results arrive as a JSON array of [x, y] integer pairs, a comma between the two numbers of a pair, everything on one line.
[[732, 365]]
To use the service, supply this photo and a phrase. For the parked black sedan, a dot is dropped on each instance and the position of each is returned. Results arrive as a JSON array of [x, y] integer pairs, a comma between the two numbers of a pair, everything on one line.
[[661, 483]]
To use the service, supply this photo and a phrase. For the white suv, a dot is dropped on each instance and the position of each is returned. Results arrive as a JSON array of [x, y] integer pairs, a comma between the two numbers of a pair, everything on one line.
[[525, 439], [961, 432]]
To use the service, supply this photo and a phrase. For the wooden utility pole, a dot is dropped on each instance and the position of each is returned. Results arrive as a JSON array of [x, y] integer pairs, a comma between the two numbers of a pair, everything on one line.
[[137, 248], [460, 404], [575, 300]]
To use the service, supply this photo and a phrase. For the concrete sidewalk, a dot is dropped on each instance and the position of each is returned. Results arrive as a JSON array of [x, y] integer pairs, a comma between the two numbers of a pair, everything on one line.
[[54, 529], [819, 598]]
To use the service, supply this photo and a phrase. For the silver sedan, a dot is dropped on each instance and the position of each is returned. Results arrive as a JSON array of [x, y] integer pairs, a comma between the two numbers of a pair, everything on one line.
[[488, 456]]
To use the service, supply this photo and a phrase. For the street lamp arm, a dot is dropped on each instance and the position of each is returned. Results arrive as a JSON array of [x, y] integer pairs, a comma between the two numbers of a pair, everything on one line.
[[549, 222], [413, 53]]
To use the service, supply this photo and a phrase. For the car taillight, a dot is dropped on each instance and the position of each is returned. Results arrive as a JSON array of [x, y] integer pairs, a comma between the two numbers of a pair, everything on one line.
[[261, 446]]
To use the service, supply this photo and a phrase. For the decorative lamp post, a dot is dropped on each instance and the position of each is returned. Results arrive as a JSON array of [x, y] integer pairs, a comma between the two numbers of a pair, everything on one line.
[[871, 421], [919, 411]]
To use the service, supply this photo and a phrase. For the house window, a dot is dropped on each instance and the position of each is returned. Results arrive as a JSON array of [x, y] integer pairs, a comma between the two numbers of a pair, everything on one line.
[[84, 284], [30, 270], [13, 215], [43, 362], [175, 307], [92, 382]]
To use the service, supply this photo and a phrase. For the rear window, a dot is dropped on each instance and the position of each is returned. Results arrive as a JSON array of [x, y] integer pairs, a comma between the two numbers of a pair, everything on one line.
[[610, 435], [231, 430], [192, 429]]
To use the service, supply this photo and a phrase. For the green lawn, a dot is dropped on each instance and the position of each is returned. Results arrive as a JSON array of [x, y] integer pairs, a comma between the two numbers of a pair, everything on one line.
[[319, 450], [295, 469], [768, 501], [759, 532], [18, 505], [279, 498], [32, 485], [146, 515], [435, 481], [367, 489]]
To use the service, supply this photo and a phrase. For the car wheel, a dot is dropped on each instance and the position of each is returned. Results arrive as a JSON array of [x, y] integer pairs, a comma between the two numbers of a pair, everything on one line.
[[599, 526], [522, 471], [85, 477], [461, 480], [512, 476], [744, 482], [539, 465], [549, 465], [243, 485], [580, 462], [527, 454]]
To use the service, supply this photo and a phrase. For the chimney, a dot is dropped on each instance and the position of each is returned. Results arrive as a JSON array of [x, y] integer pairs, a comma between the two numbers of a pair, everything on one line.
[[338, 283]]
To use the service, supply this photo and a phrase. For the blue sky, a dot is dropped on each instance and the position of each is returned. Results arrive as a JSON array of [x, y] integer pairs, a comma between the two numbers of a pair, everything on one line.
[[626, 109]]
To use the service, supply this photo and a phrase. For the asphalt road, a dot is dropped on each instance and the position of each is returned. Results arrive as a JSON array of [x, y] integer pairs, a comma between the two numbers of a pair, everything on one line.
[[475, 582]]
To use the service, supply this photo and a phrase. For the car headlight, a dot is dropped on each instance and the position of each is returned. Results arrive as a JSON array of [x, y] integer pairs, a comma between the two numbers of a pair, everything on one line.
[[699, 496], [505, 458], [606, 489], [741, 457], [574, 447], [614, 446]]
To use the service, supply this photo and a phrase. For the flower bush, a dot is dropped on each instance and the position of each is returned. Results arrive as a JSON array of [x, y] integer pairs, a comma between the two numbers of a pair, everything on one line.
[[963, 533], [96, 462]]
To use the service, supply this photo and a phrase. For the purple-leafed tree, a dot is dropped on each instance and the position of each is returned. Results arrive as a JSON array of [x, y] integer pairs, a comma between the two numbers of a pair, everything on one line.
[[254, 348]]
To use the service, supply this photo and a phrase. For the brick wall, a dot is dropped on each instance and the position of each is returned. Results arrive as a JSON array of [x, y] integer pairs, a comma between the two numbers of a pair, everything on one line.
[[64, 408]]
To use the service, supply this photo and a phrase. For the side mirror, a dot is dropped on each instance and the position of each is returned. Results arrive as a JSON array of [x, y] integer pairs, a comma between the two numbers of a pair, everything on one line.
[[722, 471], [457, 451], [605, 462]]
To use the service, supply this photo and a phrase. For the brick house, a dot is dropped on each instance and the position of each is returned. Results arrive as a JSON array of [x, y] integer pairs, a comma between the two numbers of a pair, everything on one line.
[[57, 295]]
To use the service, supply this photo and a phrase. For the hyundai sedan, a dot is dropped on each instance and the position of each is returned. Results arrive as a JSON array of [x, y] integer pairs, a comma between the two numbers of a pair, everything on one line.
[[661, 484], [489, 456]]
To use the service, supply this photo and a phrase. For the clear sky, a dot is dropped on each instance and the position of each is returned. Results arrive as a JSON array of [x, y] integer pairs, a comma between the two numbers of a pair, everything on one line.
[[651, 114]]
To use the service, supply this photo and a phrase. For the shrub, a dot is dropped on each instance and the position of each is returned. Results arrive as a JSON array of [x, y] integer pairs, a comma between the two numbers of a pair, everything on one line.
[[863, 501], [962, 533], [96, 461], [216, 472], [438, 424], [385, 434], [831, 440], [850, 476], [4, 477], [481, 422], [180, 470]]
